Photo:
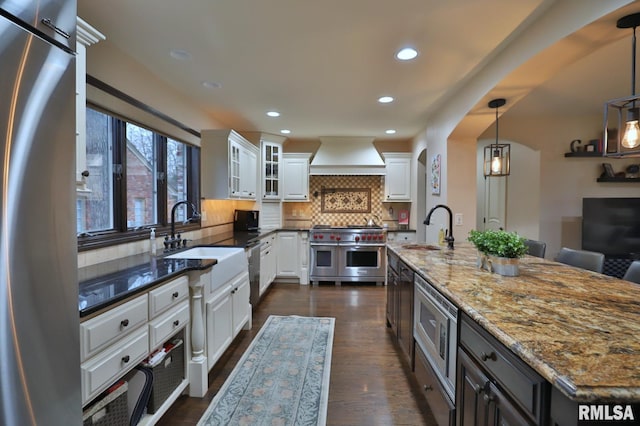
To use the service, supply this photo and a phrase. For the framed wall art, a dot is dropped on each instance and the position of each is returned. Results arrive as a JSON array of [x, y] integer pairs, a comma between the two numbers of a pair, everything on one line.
[[435, 174]]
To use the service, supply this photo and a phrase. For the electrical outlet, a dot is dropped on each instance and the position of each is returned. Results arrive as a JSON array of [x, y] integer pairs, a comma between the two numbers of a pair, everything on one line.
[[458, 219], [203, 216]]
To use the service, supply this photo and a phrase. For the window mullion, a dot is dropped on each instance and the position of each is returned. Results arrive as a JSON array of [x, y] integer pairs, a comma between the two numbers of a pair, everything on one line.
[[161, 179], [119, 175]]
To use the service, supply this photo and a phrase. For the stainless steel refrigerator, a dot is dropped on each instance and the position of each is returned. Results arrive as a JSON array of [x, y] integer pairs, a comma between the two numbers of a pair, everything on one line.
[[39, 342]]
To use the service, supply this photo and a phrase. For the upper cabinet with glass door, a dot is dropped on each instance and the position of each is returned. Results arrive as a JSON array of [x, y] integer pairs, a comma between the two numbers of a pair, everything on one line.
[[271, 168], [229, 165], [271, 163]]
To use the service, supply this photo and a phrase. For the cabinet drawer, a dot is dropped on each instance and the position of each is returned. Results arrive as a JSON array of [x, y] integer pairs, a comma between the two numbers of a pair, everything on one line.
[[105, 368], [515, 377], [170, 294], [441, 406], [163, 327], [98, 332]]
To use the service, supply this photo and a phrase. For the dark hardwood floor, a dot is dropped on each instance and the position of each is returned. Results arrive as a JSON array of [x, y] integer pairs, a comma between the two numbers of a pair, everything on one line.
[[369, 382]]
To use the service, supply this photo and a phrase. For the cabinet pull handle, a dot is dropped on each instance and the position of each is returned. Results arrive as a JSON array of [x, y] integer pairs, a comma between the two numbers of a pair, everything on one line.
[[488, 398], [124, 323], [427, 388], [492, 356], [175, 295], [176, 323], [125, 359]]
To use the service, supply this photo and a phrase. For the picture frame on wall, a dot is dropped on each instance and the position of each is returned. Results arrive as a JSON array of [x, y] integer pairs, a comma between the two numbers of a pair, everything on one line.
[[435, 174], [608, 170]]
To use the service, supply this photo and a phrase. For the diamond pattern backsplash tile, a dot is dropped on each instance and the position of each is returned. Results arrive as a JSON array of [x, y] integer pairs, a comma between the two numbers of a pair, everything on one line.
[[348, 200]]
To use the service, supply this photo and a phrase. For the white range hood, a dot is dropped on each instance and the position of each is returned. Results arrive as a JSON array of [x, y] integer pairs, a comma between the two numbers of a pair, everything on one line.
[[347, 156]]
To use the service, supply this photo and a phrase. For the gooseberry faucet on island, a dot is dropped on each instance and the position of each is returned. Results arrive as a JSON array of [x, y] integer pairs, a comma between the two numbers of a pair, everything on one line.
[[449, 237]]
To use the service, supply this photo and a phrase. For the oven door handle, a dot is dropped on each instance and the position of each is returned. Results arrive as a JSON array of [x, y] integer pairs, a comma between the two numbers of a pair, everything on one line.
[[322, 245]]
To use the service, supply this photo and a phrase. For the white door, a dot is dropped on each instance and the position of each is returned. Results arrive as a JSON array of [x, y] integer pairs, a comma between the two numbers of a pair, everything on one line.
[[495, 202]]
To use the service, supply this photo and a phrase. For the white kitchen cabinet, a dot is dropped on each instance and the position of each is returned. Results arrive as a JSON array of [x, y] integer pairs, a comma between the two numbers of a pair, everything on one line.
[[293, 256], [295, 176], [397, 182], [227, 312], [229, 165], [288, 255], [268, 259], [271, 170], [219, 324], [86, 36], [115, 341]]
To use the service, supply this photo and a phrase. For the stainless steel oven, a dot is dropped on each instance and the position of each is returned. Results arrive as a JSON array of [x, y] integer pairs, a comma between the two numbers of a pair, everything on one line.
[[348, 253], [324, 261], [362, 263], [435, 331]]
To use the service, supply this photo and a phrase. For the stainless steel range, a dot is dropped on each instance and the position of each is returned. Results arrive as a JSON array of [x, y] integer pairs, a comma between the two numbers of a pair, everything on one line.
[[348, 254]]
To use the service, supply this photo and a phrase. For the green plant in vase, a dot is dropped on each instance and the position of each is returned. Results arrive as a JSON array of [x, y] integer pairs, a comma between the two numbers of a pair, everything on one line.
[[499, 251]]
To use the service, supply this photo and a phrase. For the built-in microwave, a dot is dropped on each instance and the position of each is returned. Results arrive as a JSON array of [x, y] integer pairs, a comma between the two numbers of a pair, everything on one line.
[[435, 331], [246, 220]]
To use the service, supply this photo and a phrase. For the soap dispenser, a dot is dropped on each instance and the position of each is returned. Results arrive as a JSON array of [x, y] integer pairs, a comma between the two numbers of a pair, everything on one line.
[[152, 242]]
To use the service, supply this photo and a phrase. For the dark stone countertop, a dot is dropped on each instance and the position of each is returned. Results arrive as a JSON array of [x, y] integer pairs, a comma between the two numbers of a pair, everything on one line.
[[104, 284]]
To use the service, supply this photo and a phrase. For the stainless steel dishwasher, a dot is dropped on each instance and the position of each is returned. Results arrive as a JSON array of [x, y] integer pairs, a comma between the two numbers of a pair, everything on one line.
[[253, 253]]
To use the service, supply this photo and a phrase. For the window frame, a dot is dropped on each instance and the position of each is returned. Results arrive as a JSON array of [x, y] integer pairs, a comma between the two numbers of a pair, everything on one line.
[[121, 233]]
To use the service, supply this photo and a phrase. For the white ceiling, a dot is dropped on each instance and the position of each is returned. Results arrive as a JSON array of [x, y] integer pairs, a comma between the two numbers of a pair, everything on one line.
[[323, 64]]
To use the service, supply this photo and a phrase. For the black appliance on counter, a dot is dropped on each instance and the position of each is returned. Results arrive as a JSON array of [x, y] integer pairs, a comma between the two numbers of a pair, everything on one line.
[[246, 220]]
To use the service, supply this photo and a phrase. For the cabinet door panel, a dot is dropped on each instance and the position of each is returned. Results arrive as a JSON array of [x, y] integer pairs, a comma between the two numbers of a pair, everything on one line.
[[240, 298], [219, 326], [471, 408]]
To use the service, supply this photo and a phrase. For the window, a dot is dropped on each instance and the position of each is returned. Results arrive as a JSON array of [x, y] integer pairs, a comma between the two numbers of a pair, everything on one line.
[[136, 175], [95, 206], [141, 172]]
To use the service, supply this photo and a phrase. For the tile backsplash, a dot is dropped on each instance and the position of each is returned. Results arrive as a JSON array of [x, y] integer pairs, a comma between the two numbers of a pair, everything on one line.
[[307, 214]]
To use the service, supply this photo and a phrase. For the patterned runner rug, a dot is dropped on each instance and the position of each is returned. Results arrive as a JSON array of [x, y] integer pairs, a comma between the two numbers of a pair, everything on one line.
[[282, 378]]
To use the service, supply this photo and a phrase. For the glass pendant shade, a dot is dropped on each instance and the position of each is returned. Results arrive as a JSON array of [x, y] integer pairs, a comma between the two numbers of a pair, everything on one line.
[[631, 137], [497, 156], [496, 160]]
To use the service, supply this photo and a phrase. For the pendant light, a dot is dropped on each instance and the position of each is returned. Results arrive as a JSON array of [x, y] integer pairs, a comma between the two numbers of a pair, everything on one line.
[[625, 111], [497, 155]]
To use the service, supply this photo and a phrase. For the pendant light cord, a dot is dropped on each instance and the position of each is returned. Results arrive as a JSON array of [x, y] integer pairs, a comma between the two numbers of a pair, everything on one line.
[[633, 65]]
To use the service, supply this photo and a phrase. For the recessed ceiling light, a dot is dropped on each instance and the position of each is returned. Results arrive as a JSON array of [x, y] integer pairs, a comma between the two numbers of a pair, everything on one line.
[[285, 131], [390, 131], [407, 53], [180, 54], [273, 113], [211, 85], [385, 99]]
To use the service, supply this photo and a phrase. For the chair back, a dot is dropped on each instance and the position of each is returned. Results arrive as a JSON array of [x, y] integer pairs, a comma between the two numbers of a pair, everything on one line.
[[590, 260], [633, 272], [535, 248]]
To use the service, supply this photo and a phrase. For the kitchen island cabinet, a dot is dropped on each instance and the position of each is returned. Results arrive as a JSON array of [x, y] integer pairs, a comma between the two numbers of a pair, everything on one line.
[[574, 329]]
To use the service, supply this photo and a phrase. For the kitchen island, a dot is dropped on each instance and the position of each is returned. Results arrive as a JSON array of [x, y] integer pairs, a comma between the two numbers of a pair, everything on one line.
[[577, 329]]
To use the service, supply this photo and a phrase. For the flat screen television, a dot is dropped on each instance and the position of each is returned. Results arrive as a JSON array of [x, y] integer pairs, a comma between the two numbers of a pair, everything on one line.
[[611, 226]]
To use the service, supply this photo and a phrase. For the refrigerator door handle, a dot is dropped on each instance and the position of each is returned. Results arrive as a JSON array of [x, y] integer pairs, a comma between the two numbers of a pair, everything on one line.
[[47, 23]]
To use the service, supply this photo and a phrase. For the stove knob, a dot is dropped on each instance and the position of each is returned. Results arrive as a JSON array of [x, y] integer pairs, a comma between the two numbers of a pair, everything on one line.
[[332, 237], [357, 238], [368, 237], [337, 238], [380, 237], [321, 236]]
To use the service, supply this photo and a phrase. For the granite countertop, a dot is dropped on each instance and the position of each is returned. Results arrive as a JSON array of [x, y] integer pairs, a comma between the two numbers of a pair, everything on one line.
[[104, 284], [578, 329]]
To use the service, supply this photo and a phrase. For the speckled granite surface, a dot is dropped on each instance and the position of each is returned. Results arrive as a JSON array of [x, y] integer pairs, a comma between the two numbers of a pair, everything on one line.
[[580, 330]]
